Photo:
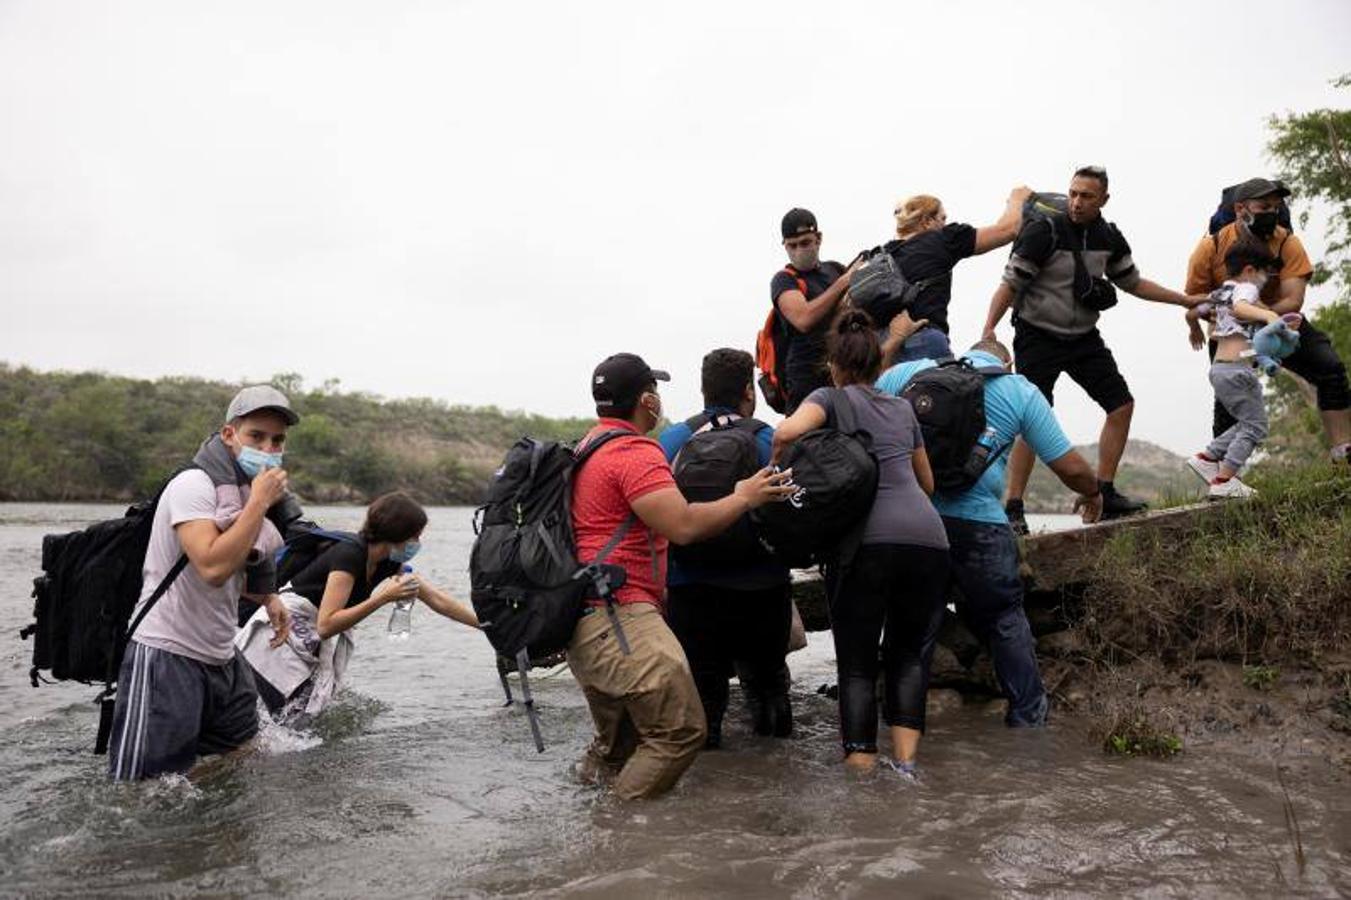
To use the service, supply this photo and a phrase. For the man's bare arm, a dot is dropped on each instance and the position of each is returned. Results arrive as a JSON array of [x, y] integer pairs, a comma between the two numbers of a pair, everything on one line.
[[804, 314]]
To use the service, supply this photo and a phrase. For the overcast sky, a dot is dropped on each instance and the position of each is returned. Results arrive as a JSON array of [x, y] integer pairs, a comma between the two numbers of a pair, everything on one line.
[[478, 201]]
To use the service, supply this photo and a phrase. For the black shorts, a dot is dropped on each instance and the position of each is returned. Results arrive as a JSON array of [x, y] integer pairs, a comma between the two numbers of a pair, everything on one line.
[[171, 709], [1040, 357]]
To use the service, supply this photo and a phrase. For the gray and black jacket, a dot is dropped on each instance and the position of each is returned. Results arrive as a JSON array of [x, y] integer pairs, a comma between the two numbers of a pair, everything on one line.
[[1041, 272]]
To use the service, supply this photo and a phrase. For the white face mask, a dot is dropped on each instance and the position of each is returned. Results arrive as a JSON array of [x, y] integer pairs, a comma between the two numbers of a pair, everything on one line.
[[804, 259]]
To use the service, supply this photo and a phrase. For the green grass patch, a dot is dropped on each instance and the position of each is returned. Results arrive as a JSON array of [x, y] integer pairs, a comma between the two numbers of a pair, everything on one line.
[[1260, 678]]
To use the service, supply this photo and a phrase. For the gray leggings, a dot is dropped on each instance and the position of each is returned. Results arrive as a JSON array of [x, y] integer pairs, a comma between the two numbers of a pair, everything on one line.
[[1239, 391]]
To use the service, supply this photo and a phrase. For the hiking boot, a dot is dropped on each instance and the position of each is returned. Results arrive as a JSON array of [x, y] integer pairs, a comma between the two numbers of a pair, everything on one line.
[[1017, 518], [1206, 469], [1118, 506], [713, 740], [1230, 489]]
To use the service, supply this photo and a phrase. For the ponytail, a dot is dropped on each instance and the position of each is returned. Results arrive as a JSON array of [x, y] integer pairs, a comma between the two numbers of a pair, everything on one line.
[[912, 213], [854, 349]]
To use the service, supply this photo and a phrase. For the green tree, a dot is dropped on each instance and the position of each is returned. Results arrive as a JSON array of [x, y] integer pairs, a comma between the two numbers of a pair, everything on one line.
[[1313, 153]]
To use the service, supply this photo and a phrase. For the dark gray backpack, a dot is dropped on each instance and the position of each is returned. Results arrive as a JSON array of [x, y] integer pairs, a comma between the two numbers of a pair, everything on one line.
[[880, 288]]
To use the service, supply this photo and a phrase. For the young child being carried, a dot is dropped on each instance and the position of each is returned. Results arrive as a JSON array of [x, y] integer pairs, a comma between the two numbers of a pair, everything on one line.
[[1239, 322]]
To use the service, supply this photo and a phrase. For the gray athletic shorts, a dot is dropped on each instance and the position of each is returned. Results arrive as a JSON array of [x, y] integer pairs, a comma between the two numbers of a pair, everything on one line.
[[171, 709]]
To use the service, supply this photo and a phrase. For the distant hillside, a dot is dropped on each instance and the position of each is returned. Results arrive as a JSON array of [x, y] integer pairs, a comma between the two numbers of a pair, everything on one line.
[[89, 436], [1148, 472]]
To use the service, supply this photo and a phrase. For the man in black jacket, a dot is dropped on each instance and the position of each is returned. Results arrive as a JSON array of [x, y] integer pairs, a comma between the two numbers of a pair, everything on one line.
[[1054, 282]]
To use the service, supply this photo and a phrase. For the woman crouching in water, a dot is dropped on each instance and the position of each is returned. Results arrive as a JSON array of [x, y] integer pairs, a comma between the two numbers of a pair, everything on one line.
[[344, 584], [895, 588]]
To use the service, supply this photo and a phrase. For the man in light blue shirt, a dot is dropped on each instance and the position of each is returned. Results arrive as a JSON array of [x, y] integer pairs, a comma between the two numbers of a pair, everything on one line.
[[984, 551]]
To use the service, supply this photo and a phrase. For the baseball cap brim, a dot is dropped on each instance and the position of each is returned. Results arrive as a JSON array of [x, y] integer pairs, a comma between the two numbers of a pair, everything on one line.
[[287, 414]]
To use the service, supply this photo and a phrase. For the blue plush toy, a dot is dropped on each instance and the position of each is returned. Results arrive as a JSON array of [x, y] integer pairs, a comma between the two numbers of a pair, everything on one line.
[[1274, 342]]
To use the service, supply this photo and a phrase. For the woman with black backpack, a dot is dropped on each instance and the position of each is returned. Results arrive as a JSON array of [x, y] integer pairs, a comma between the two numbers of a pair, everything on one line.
[[895, 585], [349, 580]]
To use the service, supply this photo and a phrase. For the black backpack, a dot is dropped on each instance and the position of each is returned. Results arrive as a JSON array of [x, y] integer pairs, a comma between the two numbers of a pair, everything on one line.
[[880, 288], [721, 452], [836, 477], [82, 601], [949, 402], [1044, 206], [526, 584]]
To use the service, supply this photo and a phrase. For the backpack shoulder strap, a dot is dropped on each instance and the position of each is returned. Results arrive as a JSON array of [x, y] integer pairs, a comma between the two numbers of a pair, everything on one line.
[[694, 423], [584, 453], [169, 578], [797, 276]]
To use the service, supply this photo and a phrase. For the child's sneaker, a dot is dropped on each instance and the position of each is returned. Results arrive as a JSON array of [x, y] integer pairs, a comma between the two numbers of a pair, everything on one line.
[[906, 770], [1207, 469], [1342, 454], [1230, 489]]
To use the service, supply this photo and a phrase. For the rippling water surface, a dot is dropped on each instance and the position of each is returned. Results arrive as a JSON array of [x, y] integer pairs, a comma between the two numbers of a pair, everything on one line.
[[418, 782]]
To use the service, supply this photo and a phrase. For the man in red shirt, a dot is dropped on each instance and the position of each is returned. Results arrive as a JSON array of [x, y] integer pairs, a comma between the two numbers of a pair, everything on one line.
[[649, 721]]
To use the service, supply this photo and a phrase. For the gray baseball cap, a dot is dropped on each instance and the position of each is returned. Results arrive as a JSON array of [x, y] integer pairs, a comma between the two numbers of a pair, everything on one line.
[[258, 397]]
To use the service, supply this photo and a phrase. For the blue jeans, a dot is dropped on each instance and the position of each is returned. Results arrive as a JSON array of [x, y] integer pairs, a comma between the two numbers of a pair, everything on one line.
[[985, 567], [927, 343]]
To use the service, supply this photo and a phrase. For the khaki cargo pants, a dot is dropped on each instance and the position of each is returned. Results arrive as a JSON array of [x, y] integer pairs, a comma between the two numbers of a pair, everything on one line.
[[649, 721]]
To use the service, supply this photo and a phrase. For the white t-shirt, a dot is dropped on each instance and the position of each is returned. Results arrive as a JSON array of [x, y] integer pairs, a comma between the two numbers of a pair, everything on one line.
[[1223, 298], [192, 619]]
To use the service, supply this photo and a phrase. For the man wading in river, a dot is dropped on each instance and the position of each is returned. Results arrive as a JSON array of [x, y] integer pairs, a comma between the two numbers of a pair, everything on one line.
[[183, 691], [649, 721]]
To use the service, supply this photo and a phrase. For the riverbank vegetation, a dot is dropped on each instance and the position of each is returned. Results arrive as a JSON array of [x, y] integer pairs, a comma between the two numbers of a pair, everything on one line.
[[89, 436], [1240, 620]]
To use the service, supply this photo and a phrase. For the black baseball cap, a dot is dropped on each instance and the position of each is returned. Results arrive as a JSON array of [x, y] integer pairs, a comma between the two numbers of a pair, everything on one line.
[[620, 379], [798, 221], [1259, 187]]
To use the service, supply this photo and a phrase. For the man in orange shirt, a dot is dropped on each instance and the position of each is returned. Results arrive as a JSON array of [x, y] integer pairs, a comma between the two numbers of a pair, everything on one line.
[[1257, 203]]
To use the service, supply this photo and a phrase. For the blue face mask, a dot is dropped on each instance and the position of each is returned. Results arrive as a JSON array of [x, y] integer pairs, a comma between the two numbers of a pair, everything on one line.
[[406, 552], [252, 461]]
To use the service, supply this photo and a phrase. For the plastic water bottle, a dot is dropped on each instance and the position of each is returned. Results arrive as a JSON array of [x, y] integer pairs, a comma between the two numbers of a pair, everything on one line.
[[979, 460], [401, 619]]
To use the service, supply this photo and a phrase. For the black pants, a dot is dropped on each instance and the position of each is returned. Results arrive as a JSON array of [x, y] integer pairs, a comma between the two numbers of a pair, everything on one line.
[[896, 593], [1315, 361], [723, 630]]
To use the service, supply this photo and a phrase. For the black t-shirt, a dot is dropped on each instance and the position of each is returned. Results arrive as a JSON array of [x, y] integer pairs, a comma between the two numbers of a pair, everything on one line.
[[933, 255], [805, 367], [343, 556]]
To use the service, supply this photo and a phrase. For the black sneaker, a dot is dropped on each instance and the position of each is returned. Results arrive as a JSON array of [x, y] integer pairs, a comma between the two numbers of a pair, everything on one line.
[[1117, 506], [1017, 519]]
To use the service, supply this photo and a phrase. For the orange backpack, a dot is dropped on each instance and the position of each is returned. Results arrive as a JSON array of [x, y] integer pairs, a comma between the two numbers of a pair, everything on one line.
[[771, 352]]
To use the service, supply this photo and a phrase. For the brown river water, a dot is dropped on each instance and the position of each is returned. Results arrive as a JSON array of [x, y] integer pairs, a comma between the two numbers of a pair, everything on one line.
[[417, 782]]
